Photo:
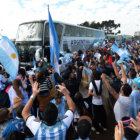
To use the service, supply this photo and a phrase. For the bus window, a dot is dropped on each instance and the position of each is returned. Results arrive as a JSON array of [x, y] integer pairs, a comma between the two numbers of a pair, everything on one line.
[[67, 30], [30, 32], [89, 33], [58, 28], [82, 32], [27, 50], [76, 31]]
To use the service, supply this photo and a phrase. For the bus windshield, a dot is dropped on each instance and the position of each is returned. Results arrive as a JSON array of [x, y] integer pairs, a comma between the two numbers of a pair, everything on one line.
[[30, 32], [27, 50]]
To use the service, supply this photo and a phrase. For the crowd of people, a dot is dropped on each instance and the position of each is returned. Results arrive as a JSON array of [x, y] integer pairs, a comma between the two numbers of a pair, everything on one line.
[[43, 104]]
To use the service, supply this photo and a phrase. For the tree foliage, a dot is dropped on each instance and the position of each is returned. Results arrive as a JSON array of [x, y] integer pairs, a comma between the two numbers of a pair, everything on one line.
[[108, 26]]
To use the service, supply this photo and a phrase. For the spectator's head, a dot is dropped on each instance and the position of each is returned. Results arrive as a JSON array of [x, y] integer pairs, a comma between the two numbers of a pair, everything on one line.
[[19, 111], [118, 68], [6, 75], [22, 72], [50, 114], [84, 127], [28, 67], [96, 75], [72, 76], [132, 74], [16, 85], [80, 105], [128, 132], [60, 62], [40, 64], [102, 63], [16, 135], [67, 51], [41, 77], [126, 90], [57, 96], [4, 114]]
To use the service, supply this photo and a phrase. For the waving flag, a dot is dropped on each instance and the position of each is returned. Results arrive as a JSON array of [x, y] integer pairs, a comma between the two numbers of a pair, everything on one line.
[[114, 48], [54, 45], [9, 57], [103, 45], [124, 54]]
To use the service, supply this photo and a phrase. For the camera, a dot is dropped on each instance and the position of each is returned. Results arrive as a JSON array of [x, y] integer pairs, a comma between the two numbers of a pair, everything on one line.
[[126, 123], [57, 87]]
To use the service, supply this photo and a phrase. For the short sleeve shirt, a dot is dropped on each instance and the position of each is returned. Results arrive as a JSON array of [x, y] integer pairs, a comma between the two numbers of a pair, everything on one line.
[[96, 100], [52, 131], [122, 107]]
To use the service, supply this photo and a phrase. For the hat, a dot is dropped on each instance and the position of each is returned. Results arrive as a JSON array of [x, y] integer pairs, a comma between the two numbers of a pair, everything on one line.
[[137, 82]]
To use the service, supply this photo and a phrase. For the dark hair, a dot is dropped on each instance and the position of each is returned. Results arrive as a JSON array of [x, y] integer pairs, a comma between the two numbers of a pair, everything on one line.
[[50, 113], [4, 114], [22, 72], [80, 105], [84, 128], [19, 111], [128, 132], [16, 85], [132, 73], [41, 77], [127, 89], [28, 67], [16, 135], [96, 75], [60, 62]]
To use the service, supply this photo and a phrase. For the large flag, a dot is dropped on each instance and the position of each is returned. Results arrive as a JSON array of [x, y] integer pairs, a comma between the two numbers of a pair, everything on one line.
[[124, 54], [114, 48], [54, 45], [9, 57]]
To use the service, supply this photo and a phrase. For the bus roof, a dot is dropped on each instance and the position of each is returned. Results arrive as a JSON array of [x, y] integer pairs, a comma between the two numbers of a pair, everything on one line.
[[36, 21]]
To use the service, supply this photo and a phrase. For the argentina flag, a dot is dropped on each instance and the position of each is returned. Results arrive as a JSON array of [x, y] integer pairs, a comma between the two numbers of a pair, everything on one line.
[[9, 57], [54, 45], [114, 48]]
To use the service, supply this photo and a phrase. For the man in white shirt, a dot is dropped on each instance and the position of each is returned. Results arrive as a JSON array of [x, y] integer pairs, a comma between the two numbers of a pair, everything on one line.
[[123, 100], [49, 128]]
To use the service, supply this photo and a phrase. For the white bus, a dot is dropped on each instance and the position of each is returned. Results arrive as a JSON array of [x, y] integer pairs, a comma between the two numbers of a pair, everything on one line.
[[33, 37]]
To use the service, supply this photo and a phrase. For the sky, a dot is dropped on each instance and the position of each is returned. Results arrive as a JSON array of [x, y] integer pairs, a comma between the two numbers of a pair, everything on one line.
[[14, 12]]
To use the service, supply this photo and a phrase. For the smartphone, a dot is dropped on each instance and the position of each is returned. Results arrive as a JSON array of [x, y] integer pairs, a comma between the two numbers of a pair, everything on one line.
[[126, 123], [57, 87]]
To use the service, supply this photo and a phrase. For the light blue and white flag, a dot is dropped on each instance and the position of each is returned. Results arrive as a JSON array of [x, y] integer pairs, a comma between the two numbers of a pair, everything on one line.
[[114, 48], [54, 45], [103, 45], [9, 57]]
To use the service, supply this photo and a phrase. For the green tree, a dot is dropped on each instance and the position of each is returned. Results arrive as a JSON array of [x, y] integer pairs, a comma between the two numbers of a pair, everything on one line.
[[108, 26]]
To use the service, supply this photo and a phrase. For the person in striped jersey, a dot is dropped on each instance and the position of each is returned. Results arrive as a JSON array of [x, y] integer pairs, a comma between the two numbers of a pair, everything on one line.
[[130, 79], [49, 128]]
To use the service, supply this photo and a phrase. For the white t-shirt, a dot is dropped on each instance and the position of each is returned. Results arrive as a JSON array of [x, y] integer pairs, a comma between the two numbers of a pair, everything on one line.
[[34, 125], [96, 100], [122, 107]]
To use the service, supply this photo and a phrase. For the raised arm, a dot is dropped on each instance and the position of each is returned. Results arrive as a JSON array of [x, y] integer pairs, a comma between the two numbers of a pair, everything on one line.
[[124, 77], [66, 93], [116, 72], [27, 108], [135, 66], [110, 89]]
